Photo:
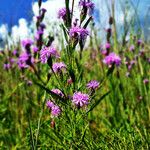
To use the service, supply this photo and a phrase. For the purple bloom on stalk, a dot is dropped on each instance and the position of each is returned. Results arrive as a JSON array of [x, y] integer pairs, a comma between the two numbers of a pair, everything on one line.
[[111, 59], [27, 42], [79, 33], [86, 4], [49, 104], [132, 48], [58, 67], [58, 92], [145, 81], [7, 66], [35, 49], [62, 13], [46, 52], [93, 85], [15, 52], [55, 111], [139, 42], [80, 99], [107, 45], [38, 34]]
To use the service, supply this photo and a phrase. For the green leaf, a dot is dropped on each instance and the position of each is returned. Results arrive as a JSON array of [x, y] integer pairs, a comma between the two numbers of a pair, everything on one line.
[[97, 102]]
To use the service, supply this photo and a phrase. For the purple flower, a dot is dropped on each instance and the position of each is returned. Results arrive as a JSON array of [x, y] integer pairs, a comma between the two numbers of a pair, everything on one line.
[[7, 66], [93, 85], [27, 42], [49, 104], [145, 81], [38, 34], [46, 52], [86, 4], [107, 45], [111, 59], [62, 13], [24, 60], [58, 67], [139, 42], [35, 49], [55, 111], [80, 99], [78, 33], [132, 48], [15, 52], [58, 92]]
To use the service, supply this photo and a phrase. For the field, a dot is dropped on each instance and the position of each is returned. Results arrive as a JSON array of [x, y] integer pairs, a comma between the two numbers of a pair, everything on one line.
[[87, 95]]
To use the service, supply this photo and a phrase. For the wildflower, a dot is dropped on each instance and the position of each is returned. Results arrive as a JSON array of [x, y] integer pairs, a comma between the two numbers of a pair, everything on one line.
[[93, 85], [62, 13], [107, 45], [145, 81], [15, 52], [58, 92], [46, 52], [38, 34], [27, 43], [55, 111], [7, 66], [132, 48], [58, 67], [86, 4], [35, 49], [80, 99], [111, 59], [49, 104], [78, 33], [139, 42]]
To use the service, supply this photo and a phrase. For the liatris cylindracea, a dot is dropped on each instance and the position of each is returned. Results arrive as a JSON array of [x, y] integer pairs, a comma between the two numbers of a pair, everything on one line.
[[93, 85], [46, 52], [111, 59], [59, 67], [80, 99], [58, 92]]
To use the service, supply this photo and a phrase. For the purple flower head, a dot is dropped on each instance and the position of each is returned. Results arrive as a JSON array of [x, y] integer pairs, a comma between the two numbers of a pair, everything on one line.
[[62, 13], [38, 34], [107, 45], [93, 85], [145, 81], [55, 111], [80, 99], [139, 42], [15, 52], [7, 66], [27, 42], [46, 52], [35, 49], [111, 59], [43, 10], [58, 92], [78, 33], [58, 67], [49, 104], [24, 60], [86, 4], [132, 48]]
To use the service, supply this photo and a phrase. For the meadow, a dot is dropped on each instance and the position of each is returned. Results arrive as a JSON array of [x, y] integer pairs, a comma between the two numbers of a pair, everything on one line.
[[86, 96]]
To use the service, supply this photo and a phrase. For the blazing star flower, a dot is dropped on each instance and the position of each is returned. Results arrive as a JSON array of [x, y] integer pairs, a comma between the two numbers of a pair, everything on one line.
[[93, 85], [80, 99], [24, 59], [49, 104], [132, 48], [111, 59], [46, 52], [78, 33], [107, 45], [145, 81], [86, 4], [58, 67], [35, 49], [27, 42], [58, 92], [62, 13], [7, 66], [38, 34], [55, 111]]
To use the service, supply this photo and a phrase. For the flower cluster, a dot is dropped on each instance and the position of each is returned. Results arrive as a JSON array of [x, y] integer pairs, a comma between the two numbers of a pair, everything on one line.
[[78, 33], [86, 4], [27, 42], [46, 52], [80, 99], [111, 59], [93, 85], [55, 110], [58, 67], [58, 92], [62, 13]]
